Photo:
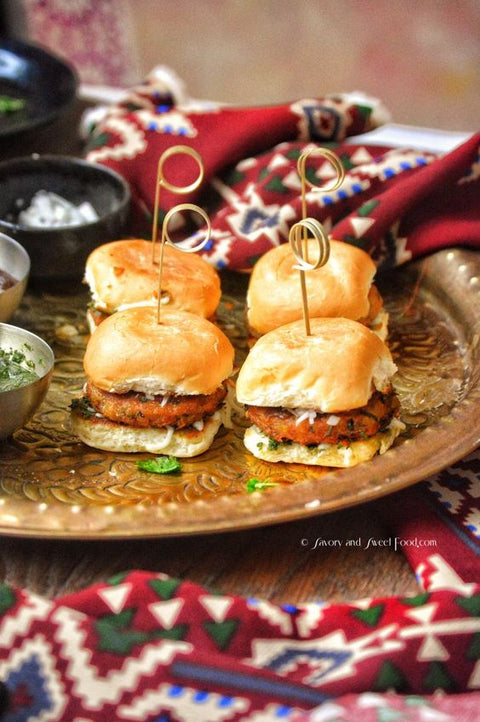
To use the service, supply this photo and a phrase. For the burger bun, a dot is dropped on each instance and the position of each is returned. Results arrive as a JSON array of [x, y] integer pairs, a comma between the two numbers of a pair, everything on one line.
[[100, 433], [335, 368], [339, 288], [121, 274], [181, 354]]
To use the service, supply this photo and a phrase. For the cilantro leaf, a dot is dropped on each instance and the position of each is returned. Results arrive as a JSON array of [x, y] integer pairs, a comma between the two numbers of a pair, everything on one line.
[[160, 465], [255, 484]]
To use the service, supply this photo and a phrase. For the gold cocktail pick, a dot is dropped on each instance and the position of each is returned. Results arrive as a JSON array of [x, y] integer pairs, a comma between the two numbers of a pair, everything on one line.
[[166, 240], [302, 172], [333, 159], [162, 182], [299, 232], [297, 236]]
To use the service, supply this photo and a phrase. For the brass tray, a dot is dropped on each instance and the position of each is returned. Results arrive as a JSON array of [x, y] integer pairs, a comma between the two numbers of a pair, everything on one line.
[[52, 486]]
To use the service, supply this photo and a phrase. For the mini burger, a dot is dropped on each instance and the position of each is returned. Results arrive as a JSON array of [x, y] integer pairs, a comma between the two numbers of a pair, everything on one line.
[[343, 287], [121, 274], [323, 399], [154, 387]]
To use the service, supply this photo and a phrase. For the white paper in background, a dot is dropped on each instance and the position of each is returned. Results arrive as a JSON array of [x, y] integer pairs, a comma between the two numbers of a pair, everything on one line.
[[411, 136]]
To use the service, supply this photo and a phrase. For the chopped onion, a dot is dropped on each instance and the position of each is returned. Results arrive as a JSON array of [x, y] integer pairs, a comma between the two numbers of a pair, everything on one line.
[[198, 425], [303, 414], [168, 437], [49, 210], [333, 420]]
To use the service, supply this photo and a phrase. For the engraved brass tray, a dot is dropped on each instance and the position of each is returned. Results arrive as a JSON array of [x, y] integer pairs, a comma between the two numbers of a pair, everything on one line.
[[53, 486]]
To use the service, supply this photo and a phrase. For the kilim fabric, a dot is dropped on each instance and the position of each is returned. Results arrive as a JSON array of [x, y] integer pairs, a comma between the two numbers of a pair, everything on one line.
[[396, 203]]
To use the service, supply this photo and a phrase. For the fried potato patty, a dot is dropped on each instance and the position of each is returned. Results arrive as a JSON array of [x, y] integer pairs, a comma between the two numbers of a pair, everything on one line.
[[136, 409], [343, 427]]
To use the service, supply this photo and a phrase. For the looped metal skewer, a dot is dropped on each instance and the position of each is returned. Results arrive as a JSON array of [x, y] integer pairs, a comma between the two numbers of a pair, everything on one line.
[[299, 232], [336, 164], [166, 240], [297, 237], [162, 182]]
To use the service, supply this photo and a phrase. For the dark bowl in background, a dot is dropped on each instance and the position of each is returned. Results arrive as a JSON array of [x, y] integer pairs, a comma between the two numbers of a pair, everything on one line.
[[60, 252], [43, 81]]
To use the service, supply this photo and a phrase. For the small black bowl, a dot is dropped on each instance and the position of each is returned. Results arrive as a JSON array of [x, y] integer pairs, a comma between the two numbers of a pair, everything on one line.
[[60, 252], [43, 82]]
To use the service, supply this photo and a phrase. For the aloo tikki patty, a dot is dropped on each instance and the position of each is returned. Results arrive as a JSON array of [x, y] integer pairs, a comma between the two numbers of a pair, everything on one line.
[[137, 409], [338, 428]]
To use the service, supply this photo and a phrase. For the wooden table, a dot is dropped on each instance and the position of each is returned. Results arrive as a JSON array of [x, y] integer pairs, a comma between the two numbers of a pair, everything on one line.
[[278, 563]]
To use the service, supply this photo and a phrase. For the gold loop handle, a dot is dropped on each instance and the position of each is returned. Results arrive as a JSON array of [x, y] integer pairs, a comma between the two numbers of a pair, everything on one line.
[[163, 182], [176, 150], [297, 237], [301, 168], [166, 240], [186, 207], [333, 159]]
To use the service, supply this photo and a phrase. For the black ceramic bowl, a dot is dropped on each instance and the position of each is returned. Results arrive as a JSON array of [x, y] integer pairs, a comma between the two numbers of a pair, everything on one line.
[[60, 252], [43, 83]]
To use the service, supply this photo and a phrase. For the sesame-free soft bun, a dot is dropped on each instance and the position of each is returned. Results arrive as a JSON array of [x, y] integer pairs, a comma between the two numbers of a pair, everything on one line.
[[322, 399], [121, 274], [100, 433], [183, 354], [334, 369], [343, 287]]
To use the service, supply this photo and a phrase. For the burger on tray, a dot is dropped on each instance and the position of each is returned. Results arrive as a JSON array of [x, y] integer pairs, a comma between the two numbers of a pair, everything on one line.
[[152, 386], [324, 398]]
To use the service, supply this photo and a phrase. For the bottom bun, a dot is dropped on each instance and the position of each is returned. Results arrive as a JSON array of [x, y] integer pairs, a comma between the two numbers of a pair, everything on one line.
[[100, 433], [263, 447]]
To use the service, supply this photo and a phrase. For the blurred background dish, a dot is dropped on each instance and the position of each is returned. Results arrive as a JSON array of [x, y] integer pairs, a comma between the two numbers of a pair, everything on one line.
[[26, 367], [14, 273], [35, 86], [60, 251]]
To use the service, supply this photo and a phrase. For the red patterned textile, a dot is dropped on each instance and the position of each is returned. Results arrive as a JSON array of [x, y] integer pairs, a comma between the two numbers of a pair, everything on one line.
[[397, 203]]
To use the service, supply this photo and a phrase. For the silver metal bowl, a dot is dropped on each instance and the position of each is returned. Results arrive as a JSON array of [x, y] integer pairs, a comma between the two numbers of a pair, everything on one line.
[[15, 260], [18, 405]]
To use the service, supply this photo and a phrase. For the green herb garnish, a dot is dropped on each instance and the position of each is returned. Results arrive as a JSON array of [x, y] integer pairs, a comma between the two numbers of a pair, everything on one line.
[[84, 406], [160, 465], [273, 444], [255, 484], [10, 105], [16, 369]]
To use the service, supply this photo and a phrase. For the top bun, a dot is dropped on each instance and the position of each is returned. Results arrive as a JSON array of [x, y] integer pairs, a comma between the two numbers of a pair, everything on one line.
[[339, 288], [336, 368], [183, 354], [121, 274]]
